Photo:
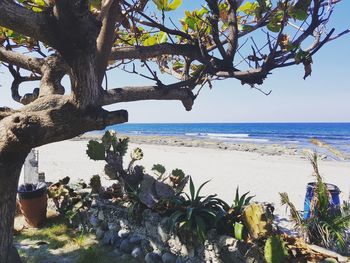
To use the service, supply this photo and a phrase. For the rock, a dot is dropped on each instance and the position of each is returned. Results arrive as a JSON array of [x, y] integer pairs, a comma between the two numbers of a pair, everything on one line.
[[169, 258], [147, 194], [180, 260], [99, 233], [137, 253], [163, 230], [126, 258], [94, 203], [113, 226], [163, 190], [117, 252], [146, 245], [135, 239], [103, 225], [152, 257], [94, 221], [175, 244], [226, 241], [163, 234], [100, 215], [116, 240], [126, 246], [123, 233], [107, 237]]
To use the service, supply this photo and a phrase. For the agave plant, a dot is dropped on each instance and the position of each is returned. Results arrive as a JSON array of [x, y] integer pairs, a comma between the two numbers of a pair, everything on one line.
[[325, 226], [195, 213], [232, 223]]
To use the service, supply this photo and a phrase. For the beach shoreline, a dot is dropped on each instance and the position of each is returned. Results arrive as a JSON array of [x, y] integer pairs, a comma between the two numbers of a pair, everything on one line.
[[262, 148], [262, 172]]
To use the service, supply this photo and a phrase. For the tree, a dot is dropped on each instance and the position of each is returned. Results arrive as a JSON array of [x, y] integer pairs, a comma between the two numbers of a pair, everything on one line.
[[45, 40]]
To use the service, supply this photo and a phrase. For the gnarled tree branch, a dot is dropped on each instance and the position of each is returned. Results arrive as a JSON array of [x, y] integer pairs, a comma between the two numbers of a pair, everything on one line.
[[128, 94], [21, 60]]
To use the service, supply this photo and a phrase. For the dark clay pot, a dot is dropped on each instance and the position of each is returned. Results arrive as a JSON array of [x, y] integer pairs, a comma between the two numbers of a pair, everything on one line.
[[33, 203]]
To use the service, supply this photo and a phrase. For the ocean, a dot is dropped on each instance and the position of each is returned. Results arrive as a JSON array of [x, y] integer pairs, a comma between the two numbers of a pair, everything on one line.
[[335, 134]]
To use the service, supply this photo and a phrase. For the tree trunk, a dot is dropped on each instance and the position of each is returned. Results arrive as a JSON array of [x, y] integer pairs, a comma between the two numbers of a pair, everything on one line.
[[10, 169]]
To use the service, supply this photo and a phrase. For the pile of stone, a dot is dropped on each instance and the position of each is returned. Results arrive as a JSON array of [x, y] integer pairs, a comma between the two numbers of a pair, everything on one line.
[[153, 241]]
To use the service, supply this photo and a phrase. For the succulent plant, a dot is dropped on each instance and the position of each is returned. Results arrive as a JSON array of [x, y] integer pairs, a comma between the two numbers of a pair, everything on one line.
[[159, 170], [110, 144], [95, 183], [96, 150], [275, 250], [177, 175], [137, 154], [258, 220]]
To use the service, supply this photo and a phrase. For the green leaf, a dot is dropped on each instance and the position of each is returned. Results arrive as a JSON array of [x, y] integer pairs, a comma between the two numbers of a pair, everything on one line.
[[200, 188], [173, 5], [160, 169], [152, 40], [248, 8], [96, 150], [162, 37], [238, 230], [274, 27], [299, 14]]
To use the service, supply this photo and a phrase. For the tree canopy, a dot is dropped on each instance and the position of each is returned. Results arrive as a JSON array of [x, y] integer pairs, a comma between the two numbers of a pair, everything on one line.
[[42, 41]]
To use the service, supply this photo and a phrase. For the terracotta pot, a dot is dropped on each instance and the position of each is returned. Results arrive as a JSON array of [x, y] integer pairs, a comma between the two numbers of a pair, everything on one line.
[[33, 206]]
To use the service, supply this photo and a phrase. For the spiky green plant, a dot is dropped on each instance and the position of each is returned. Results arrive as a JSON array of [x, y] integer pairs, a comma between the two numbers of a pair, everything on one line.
[[325, 226], [195, 213], [275, 250], [232, 222], [241, 201]]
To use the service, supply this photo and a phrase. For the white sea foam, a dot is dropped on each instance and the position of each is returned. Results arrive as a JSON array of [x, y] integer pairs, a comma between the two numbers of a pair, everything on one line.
[[220, 135], [240, 139]]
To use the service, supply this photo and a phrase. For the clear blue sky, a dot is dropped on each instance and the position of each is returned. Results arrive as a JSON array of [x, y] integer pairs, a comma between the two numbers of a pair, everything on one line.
[[323, 97]]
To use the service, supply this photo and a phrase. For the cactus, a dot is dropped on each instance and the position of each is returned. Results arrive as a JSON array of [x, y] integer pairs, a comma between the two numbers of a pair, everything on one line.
[[177, 175], [95, 183], [275, 250], [137, 154], [257, 220], [159, 170], [95, 151]]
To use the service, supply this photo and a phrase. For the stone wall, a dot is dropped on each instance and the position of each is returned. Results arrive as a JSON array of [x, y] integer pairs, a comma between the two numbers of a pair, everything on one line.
[[153, 241]]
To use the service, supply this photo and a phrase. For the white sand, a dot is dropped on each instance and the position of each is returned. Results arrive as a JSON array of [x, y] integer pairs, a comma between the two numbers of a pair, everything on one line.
[[264, 176]]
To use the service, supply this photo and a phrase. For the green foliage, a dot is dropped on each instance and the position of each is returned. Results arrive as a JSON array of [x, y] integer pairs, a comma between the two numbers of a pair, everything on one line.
[[326, 227], [136, 206], [95, 183], [177, 175], [275, 250], [240, 202], [196, 214], [98, 150], [232, 223], [66, 199], [95, 150], [159, 170], [164, 5]]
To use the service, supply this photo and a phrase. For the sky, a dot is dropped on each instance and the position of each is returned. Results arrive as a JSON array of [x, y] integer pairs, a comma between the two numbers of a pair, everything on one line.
[[323, 97]]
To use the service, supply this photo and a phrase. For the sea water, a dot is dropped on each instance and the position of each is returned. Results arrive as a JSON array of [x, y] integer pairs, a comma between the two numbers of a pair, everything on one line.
[[336, 135]]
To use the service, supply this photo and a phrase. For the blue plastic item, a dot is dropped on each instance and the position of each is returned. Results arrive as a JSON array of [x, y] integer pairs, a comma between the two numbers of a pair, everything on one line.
[[335, 201]]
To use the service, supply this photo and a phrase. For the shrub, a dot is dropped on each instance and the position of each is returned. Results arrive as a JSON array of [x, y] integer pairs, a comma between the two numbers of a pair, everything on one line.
[[196, 214], [325, 227]]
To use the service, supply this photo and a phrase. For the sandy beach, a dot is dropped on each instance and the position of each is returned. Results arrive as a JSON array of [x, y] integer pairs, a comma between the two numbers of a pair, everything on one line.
[[263, 170]]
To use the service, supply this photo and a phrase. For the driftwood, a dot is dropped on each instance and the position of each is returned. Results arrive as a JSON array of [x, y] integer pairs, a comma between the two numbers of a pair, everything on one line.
[[328, 253]]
